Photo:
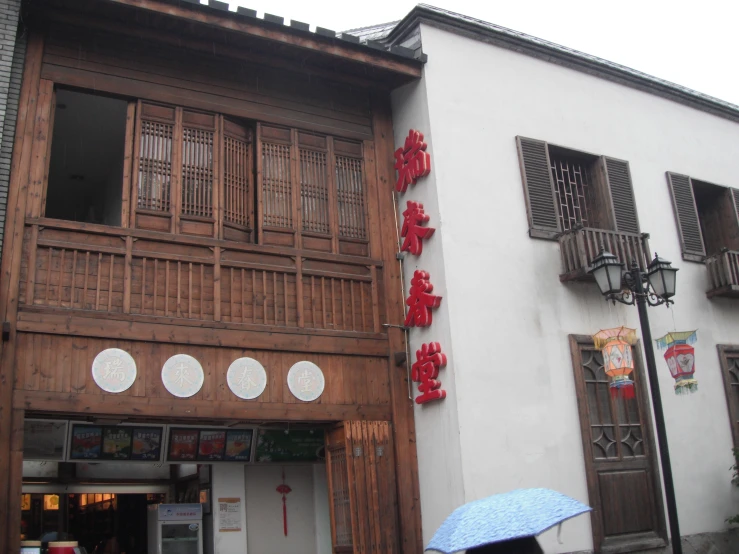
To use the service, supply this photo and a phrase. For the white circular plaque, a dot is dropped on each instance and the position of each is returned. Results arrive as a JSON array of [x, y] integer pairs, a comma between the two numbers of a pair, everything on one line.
[[246, 378], [305, 380], [114, 370], [182, 375]]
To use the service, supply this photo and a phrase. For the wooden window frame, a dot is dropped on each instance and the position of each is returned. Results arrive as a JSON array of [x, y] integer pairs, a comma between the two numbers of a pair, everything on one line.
[[293, 233], [726, 351], [611, 210], [682, 211], [642, 395]]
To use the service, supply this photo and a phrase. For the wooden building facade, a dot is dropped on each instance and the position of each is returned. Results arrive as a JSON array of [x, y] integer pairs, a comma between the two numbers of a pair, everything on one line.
[[243, 207]]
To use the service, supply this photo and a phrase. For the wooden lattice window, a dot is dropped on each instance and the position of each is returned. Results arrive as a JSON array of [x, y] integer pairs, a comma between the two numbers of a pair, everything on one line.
[[312, 191], [155, 157], [197, 172], [350, 191], [314, 186], [193, 169], [573, 188]]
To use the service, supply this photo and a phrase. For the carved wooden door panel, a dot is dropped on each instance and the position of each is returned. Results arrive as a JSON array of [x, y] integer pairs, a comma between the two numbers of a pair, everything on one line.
[[361, 485], [623, 480]]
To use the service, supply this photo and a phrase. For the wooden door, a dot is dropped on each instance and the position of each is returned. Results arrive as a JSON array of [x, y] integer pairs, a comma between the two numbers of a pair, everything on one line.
[[361, 484], [623, 479]]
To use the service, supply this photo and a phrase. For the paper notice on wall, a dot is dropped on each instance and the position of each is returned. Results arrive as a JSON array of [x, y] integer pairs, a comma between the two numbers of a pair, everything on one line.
[[229, 514]]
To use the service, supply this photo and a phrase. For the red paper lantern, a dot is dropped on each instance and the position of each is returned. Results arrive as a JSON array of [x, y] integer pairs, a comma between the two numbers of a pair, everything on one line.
[[680, 358]]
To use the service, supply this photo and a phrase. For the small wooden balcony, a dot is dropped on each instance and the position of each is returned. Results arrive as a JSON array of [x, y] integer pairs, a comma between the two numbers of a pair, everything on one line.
[[581, 245], [723, 272]]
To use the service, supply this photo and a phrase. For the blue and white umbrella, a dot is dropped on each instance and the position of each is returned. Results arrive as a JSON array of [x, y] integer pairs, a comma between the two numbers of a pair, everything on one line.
[[503, 517]]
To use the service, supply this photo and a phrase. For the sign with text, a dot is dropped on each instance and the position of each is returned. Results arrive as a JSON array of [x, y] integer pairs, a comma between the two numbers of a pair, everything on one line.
[[44, 440], [115, 443], [183, 445], [297, 445], [229, 515]]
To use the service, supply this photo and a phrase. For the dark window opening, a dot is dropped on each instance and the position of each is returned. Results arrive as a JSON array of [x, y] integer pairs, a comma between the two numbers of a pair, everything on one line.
[[716, 215], [86, 166], [574, 188]]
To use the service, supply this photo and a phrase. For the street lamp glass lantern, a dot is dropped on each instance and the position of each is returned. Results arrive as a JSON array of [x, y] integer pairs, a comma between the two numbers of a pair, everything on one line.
[[607, 271], [662, 277]]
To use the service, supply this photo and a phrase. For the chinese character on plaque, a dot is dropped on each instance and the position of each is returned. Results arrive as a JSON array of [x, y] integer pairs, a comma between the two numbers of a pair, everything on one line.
[[114, 370], [425, 370], [305, 380], [412, 161], [412, 231], [420, 301], [246, 378], [182, 375]]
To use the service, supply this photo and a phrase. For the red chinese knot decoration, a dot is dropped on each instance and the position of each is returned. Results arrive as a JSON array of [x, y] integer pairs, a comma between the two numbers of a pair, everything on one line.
[[412, 231], [425, 370], [680, 358], [420, 301], [618, 359], [284, 489], [412, 161]]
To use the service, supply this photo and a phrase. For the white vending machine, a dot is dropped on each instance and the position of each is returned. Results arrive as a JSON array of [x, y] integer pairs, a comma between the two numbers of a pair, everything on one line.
[[176, 529]]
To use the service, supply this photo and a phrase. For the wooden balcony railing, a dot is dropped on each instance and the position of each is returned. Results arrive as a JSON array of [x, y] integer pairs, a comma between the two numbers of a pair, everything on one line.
[[73, 266], [723, 272], [581, 245]]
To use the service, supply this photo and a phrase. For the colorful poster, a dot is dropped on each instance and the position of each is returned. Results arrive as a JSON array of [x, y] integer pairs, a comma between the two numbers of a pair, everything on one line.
[[147, 444], [238, 445], [274, 445], [183, 445], [87, 441], [116, 443], [212, 445]]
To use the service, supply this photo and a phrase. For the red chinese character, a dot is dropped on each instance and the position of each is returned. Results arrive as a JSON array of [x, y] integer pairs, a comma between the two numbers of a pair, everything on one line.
[[412, 161], [420, 301], [425, 371], [412, 231]]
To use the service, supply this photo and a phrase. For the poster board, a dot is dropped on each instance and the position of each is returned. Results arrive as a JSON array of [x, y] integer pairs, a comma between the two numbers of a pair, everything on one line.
[[138, 443], [44, 440], [229, 515], [194, 444], [299, 445]]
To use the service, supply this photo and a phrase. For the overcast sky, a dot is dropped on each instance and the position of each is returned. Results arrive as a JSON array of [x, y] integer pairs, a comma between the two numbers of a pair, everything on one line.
[[691, 42]]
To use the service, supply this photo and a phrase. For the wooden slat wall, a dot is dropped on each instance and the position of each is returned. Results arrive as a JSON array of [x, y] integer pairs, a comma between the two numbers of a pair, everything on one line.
[[118, 64], [362, 485], [60, 365], [70, 268]]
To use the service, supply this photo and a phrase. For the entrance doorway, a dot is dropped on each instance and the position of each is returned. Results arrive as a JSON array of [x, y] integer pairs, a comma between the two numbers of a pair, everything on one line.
[[109, 523], [620, 463]]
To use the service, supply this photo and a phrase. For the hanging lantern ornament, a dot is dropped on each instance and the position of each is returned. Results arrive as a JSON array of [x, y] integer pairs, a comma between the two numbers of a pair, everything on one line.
[[284, 489], [680, 358], [618, 359]]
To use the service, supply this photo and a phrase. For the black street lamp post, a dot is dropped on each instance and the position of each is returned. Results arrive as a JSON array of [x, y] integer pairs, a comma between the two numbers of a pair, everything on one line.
[[654, 287]]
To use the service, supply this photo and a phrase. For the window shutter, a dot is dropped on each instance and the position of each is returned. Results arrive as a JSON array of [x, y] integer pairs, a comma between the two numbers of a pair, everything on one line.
[[735, 197], [686, 214], [538, 188], [622, 195]]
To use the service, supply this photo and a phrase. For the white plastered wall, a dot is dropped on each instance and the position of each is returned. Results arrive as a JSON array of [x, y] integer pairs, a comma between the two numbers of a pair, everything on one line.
[[511, 411]]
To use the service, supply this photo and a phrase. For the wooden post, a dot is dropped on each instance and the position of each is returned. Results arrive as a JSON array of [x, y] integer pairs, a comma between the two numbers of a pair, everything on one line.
[[128, 165], [10, 276], [127, 276], [406, 462], [299, 289], [217, 283]]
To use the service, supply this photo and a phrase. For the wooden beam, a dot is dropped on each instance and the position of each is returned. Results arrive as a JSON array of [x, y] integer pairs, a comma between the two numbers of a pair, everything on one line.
[[10, 277], [333, 48], [168, 407], [151, 329], [406, 461]]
